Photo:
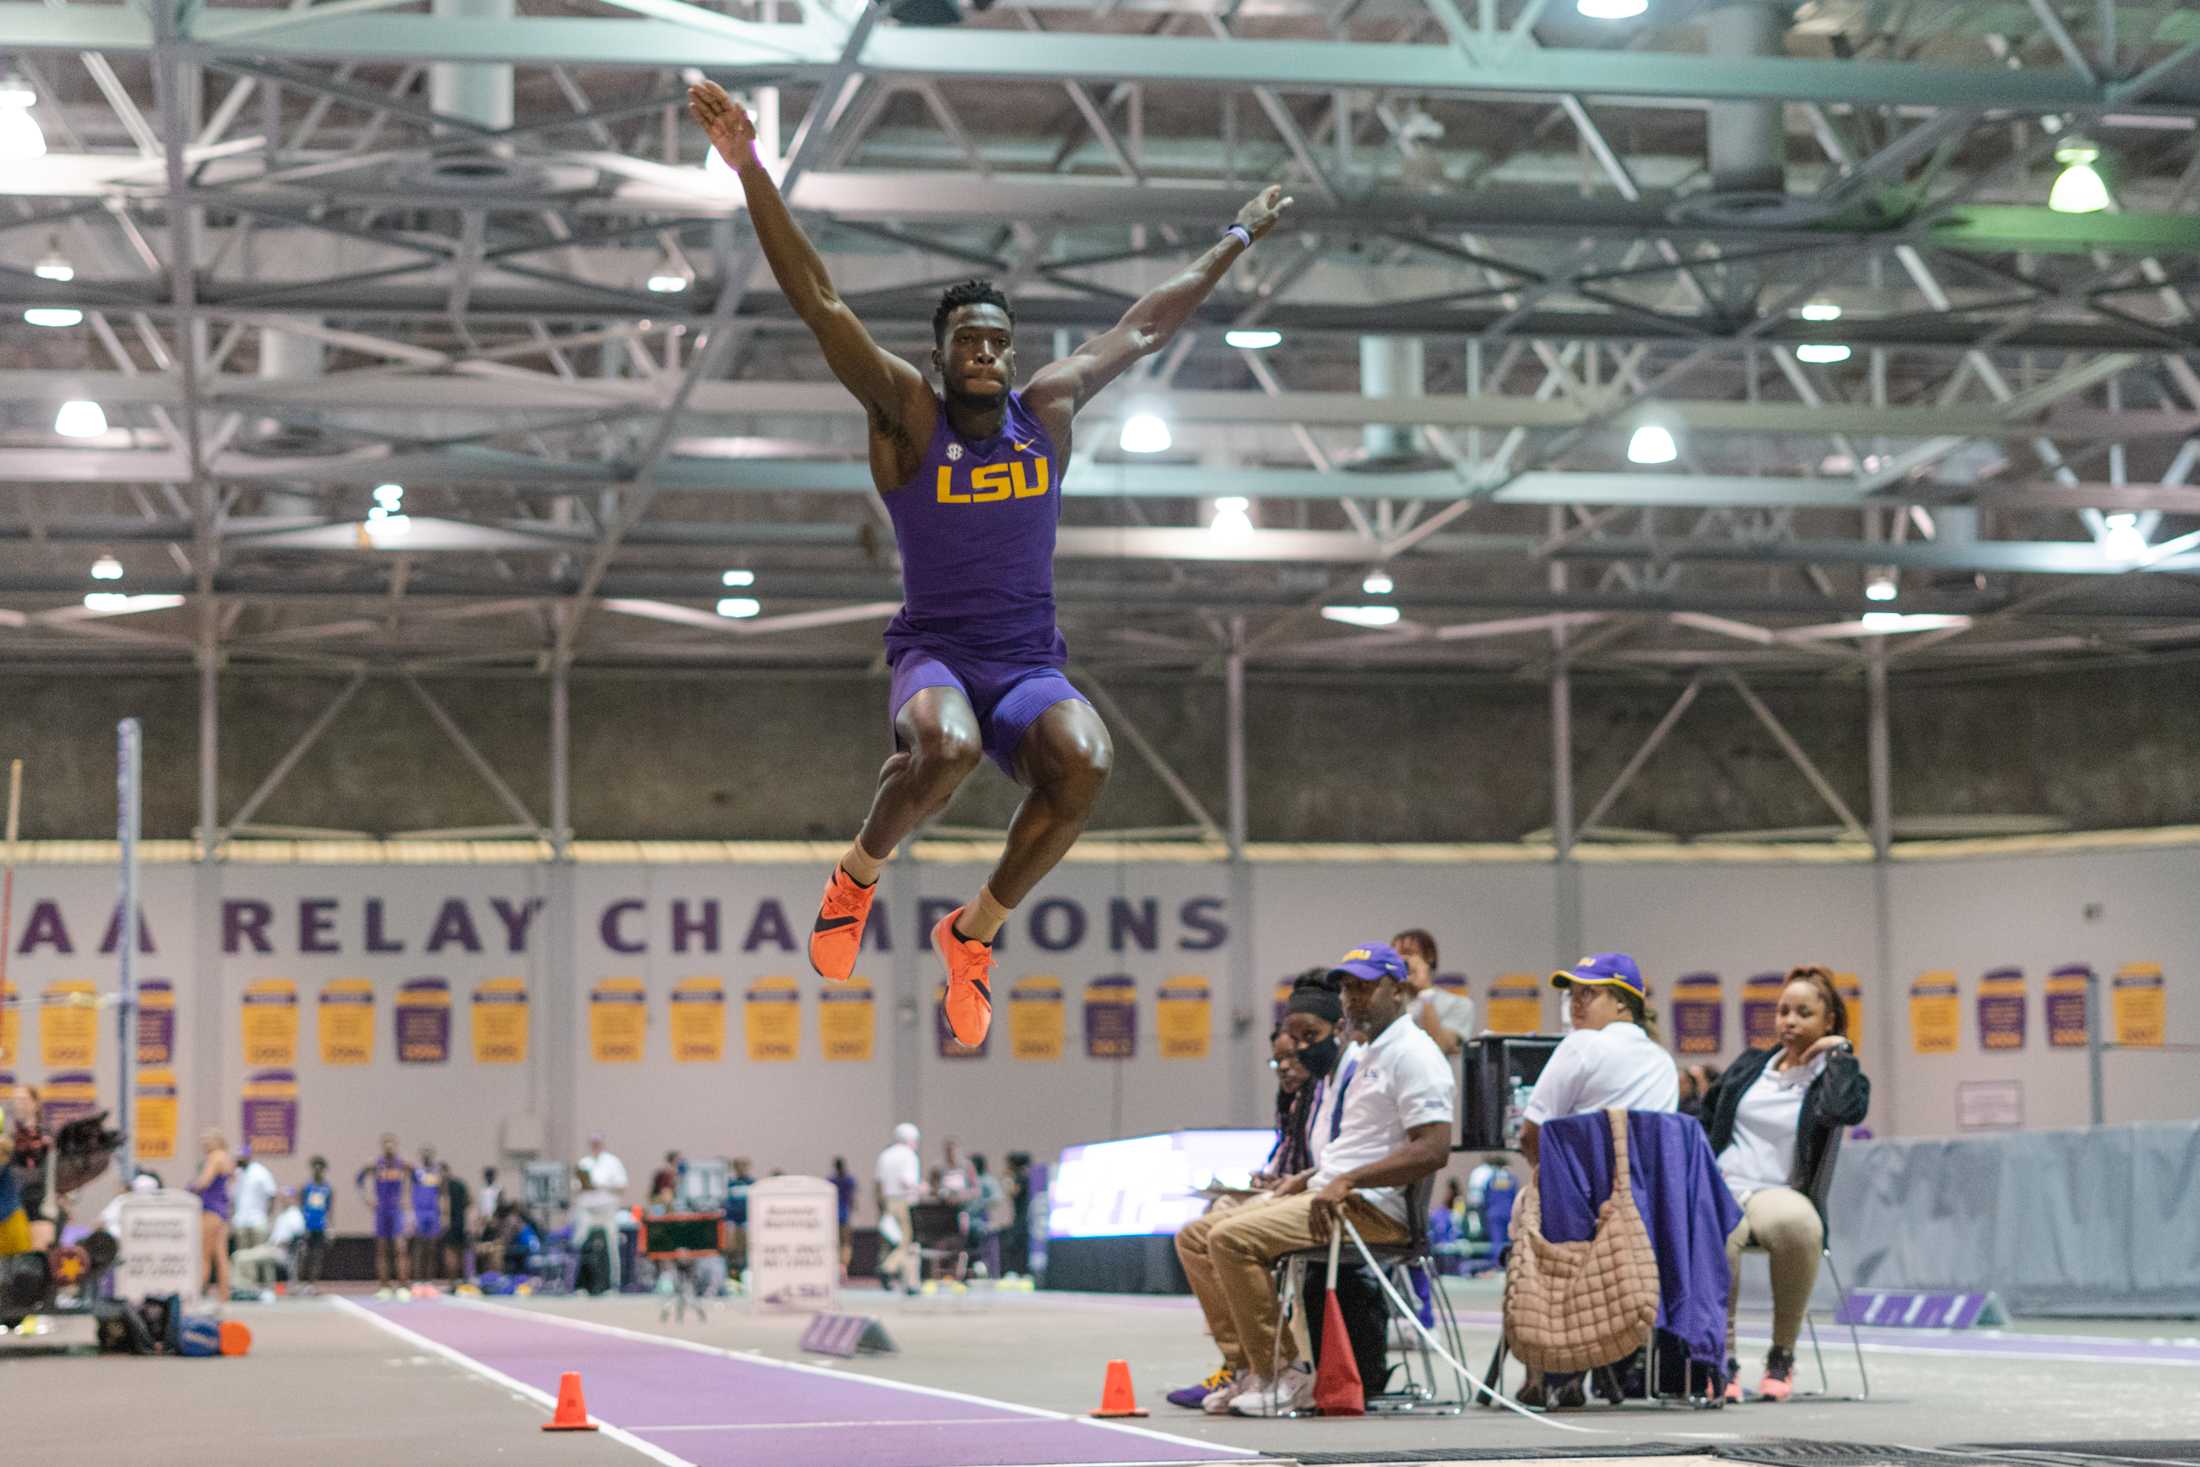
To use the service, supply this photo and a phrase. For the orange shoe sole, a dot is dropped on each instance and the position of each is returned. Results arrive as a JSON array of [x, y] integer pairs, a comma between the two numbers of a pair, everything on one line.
[[968, 1001]]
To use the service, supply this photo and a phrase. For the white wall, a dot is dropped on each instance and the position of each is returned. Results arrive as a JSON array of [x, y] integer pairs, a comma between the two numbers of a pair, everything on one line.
[[1490, 919]]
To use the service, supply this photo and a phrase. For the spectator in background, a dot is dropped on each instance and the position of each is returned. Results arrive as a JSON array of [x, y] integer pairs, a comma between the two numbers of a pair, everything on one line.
[[253, 1198], [1016, 1251], [1770, 1117], [899, 1182], [15, 1224], [984, 1215], [316, 1204], [738, 1182], [1696, 1083], [1445, 1016], [489, 1196], [388, 1203], [274, 1257], [665, 1181], [216, 1171], [954, 1183], [427, 1215], [844, 1209], [603, 1189], [457, 1241]]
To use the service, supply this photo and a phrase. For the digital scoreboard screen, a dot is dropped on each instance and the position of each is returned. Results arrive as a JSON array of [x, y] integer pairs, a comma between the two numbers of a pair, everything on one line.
[[1147, 1186]]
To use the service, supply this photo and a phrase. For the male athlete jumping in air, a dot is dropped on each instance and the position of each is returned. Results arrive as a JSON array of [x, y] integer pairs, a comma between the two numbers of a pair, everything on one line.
[[972, 478]]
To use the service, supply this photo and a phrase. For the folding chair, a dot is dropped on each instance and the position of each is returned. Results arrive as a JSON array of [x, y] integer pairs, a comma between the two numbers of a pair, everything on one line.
[[1820, 1192], [1428, 1388]]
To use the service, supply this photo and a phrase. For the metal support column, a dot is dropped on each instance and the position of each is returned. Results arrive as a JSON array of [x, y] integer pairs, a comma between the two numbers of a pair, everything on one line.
[[1244, 989], [557, 1072], [1879, 757], [1567, 929], [561, 760], [207, 1097], [129, 811]]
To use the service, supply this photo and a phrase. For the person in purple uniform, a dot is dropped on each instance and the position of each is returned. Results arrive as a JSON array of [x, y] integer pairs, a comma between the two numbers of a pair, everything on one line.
[[427, 1214], [389, 1174], [972, 479]]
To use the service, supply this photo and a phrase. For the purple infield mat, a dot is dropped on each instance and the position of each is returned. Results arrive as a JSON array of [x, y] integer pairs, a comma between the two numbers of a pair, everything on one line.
[[716, 1410]]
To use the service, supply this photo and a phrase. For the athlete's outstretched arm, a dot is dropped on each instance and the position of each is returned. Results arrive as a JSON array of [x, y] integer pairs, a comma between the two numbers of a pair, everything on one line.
[[1061, 387], [881, 381]]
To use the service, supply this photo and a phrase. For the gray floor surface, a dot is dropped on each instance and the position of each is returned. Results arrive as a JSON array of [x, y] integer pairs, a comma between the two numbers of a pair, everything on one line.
[[322, 1386]]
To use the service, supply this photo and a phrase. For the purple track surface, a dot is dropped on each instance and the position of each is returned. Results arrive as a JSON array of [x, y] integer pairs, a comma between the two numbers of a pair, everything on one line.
[[716, 1410]]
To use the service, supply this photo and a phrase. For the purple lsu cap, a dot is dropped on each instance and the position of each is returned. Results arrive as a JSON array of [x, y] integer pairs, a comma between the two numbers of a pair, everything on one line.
[[1371, 962], [1603, 970]]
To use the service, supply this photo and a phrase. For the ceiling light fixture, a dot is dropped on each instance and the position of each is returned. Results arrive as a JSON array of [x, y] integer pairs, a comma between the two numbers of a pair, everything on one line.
[[52, 316], [2121, 537], [1611, 9], [1821, 354], [1233, 521], [1362, 616], [1652, 444], [2078, 188], [1260, 340], [107, 568], [1145, 433], [80, 419], [739, 608], [1378, 583]]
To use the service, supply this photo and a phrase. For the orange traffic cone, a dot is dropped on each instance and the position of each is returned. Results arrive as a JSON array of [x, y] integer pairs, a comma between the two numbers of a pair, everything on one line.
[[1116, 1396], [572, 1412]]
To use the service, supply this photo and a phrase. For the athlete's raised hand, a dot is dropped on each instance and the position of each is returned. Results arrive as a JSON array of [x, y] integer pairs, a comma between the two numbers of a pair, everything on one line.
[[1260, 215], [731, 131]]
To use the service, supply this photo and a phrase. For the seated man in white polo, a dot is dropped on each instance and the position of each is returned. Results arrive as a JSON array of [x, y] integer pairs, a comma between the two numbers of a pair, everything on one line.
[[1383, 1124]]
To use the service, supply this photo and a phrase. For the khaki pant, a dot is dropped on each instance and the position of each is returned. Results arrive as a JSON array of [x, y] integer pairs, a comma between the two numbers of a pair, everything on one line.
[[904, 1259], [1782, 1222], [1229, 1258]]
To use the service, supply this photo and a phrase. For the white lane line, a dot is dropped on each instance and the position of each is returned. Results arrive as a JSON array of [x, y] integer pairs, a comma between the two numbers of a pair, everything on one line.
[[490, 1373], [829, 1425], [752, 1358]]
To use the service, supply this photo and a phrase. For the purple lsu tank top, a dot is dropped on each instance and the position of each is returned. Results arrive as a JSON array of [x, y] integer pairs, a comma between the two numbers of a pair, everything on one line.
[[976, 526], [215, 1198]]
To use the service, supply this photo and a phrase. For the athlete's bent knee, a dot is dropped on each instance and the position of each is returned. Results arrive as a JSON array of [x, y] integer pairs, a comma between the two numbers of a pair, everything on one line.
[[947, 753]]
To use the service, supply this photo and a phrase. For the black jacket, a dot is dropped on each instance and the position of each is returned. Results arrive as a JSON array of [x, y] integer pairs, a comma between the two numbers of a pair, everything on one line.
[[1840, 1096]]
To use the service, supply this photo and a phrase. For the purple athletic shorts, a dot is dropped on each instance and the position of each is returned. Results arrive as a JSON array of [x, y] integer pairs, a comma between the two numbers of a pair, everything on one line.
[[1008, 697]]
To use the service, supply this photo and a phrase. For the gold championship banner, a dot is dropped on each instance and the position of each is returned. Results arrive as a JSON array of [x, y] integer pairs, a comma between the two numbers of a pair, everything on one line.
[[1038, 1018], [1936, 1013], [269, 1018], [68, 1024], [346, 1027], [618, 1021], [771, 1016], [153, 1126], [500, 1022], [2139, 1006], [847, 1021], [1183, 1013], [698, 1021], [1516, 1003]]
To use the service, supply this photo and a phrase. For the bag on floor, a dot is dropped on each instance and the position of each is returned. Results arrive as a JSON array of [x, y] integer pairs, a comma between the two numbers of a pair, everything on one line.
[[1575, 1306], [200, 1336]]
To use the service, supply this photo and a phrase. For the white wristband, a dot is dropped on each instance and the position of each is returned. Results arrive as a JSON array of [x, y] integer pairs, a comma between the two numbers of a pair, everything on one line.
[[1244, 235]]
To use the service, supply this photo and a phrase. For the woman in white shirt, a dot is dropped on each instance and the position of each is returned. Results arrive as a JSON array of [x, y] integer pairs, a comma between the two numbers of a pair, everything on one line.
[[1612, 1057], [1770, 1117]]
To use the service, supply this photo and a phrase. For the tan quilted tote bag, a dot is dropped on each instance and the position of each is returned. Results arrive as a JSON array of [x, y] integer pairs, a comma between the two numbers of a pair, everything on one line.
[[1575, 1306]]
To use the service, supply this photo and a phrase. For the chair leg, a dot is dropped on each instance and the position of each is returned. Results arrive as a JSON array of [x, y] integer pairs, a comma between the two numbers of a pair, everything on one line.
[[1856, 1341]]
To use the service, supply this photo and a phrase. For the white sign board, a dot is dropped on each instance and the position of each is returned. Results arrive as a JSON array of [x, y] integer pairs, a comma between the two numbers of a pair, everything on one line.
[[794, 1243], [158, 1246]]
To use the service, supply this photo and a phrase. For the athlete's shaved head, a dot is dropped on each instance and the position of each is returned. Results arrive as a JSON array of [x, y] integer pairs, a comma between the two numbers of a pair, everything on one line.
[[975, 292]]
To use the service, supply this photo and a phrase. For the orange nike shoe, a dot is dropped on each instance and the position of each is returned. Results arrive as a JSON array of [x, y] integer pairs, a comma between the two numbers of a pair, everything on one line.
[[838, 932], [969, 1000]]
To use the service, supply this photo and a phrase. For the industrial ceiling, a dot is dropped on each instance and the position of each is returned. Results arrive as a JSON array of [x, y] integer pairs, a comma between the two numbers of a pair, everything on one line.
[[1805, 253]]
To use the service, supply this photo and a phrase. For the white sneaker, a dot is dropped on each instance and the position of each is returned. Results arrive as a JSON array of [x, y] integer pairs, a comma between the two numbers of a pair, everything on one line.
[[1217, 1401], [1291, 1391]]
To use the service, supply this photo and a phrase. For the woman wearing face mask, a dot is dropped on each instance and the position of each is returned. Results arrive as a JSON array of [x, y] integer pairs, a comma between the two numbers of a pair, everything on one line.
[[1770, 1117], [1303, 1053]]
